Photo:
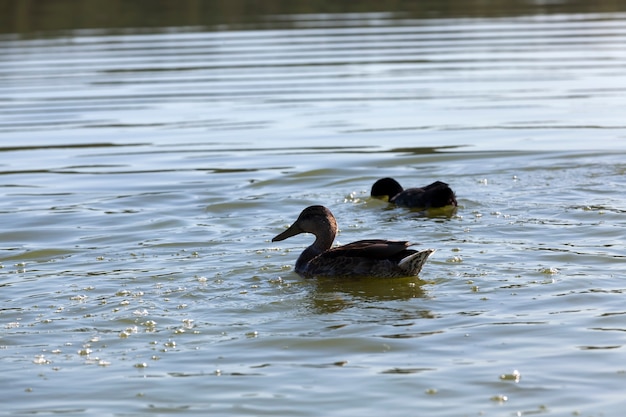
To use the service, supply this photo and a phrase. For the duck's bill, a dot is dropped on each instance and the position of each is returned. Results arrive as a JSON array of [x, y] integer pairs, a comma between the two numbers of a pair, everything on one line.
[[292, 231]]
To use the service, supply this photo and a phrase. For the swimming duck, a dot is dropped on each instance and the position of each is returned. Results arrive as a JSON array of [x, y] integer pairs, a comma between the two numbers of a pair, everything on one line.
[[437, 194], [364, 258]]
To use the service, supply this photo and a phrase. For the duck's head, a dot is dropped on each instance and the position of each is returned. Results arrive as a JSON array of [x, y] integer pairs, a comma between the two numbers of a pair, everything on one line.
[[313, 219], [385, 188]]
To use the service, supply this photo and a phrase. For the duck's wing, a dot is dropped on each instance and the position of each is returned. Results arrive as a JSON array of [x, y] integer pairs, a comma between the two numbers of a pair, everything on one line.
[[412, 197], [372, 249]]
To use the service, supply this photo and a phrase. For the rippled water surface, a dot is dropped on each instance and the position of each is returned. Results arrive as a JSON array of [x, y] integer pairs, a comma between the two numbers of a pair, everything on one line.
[[143, 175]]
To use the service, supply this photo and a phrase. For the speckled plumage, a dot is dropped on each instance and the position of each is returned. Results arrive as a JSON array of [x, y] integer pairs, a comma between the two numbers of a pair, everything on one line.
[[437, 194], [364, 258]]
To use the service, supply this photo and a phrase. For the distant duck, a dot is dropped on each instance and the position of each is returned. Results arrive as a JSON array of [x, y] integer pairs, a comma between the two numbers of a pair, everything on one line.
[[437, 194], [364, 258]]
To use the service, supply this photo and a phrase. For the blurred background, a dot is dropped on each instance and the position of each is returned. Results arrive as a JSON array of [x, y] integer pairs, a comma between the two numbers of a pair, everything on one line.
[[32, 17]]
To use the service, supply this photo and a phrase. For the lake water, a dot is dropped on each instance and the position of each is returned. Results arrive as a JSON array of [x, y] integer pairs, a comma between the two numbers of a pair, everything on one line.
[[143, 174]]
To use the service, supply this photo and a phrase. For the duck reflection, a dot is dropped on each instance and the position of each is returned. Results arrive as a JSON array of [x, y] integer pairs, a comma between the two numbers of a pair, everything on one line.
[[329, 295]]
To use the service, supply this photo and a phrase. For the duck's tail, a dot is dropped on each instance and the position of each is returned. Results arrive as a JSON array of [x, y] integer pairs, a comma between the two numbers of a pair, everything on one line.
[[413, 264]]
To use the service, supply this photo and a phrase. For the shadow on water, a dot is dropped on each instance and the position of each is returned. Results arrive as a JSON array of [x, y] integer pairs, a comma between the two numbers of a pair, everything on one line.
[[393, 213], [332, 295]]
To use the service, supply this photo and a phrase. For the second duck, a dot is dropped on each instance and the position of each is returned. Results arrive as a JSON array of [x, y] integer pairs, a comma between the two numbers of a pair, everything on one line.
[[438, 194]]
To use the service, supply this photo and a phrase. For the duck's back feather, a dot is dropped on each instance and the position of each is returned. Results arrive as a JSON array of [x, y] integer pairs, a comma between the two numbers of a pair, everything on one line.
[[372, 248]]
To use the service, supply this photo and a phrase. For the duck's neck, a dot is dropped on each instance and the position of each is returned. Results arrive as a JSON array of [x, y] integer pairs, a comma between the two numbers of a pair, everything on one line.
[[323, 241]]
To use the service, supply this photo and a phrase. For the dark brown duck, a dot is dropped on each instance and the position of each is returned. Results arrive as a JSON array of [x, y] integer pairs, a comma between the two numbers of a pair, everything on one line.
[[438, 194], [364, 258]]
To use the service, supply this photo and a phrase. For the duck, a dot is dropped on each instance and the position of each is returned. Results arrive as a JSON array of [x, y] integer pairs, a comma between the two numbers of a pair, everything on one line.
[[435, 195], [364, 258]]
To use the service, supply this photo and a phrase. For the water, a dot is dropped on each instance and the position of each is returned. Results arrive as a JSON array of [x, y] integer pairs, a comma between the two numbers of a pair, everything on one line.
[[144, 174]]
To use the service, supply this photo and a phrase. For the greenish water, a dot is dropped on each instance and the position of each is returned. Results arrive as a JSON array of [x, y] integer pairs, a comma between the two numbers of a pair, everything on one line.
[[143, 176]]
